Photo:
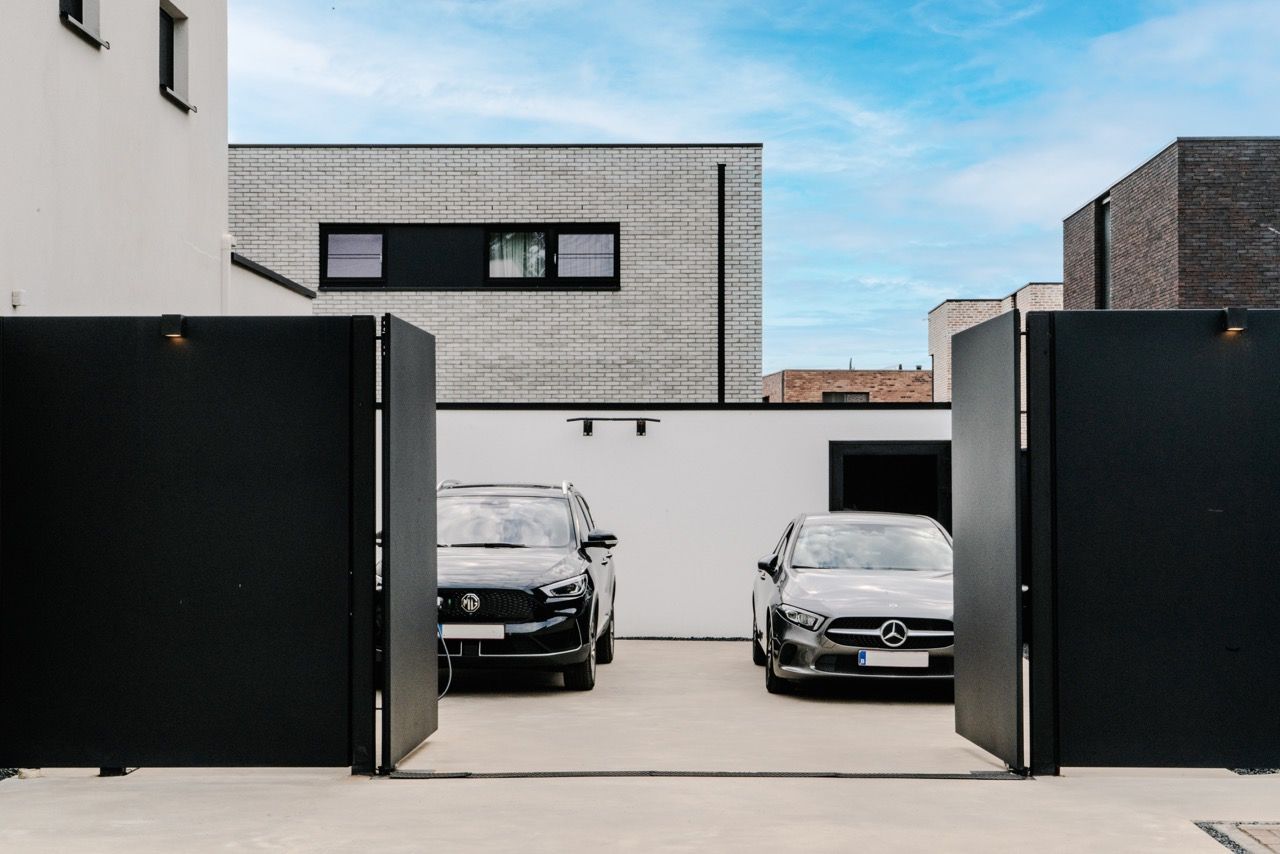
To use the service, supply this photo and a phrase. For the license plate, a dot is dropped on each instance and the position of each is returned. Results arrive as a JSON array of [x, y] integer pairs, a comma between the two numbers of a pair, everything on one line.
[[466, 631], [893, 658]]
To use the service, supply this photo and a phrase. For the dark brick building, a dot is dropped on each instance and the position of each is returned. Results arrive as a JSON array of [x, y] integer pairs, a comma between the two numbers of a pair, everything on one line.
[[1196, 226], [854, 386]]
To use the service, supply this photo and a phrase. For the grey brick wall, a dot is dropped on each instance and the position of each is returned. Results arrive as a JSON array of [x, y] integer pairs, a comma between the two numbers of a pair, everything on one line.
[[652, 340]]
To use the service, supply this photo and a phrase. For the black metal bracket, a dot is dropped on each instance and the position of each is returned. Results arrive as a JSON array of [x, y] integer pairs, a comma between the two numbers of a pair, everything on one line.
[[177, 100], [115, 772], [588, 424], [84, 32]]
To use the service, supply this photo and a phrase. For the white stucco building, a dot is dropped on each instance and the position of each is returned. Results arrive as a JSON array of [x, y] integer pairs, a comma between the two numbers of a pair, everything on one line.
[[114, 163]]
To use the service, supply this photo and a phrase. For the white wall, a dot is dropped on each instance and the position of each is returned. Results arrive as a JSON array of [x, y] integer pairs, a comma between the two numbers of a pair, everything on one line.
[[251, 295], [695, 502], [112, 199]]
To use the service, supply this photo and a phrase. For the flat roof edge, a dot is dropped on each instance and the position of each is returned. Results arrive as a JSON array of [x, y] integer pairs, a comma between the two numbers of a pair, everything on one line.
[[272, 276], [353, 145]]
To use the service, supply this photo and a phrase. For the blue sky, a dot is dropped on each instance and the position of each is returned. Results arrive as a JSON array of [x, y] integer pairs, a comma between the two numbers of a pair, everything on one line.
[[914, 151]]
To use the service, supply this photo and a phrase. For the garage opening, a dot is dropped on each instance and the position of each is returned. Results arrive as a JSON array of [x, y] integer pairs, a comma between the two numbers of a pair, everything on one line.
[[685, 694], [897, 477]]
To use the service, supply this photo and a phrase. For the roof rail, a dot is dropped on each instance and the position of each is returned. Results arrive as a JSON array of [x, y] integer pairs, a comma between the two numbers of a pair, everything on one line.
[[447, 484], [565, 486]]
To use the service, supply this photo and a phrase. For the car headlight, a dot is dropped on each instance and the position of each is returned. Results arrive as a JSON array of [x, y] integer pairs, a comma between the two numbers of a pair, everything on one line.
[[802, 618], [566, 589]]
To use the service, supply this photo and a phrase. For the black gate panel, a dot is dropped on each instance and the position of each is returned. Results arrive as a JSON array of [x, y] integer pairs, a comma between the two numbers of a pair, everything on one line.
[[987, 513], [409, 705], [175, 540], [1164, 535]]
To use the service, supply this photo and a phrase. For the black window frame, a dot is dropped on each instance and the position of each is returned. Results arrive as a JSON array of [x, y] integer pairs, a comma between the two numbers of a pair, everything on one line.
[[332, 282], [552, 279], [844, 396], [1103, 246], [478, 266], [173, 67], [168, 50]]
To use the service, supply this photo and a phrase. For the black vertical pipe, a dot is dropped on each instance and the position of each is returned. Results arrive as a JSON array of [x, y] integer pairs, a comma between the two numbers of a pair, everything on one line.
[[720, 283]]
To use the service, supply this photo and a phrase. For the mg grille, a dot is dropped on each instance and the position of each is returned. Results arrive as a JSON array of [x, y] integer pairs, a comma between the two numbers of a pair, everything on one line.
[[496, 606]]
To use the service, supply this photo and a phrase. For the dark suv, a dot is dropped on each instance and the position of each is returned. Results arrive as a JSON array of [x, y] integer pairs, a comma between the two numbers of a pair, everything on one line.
[[525, 578]]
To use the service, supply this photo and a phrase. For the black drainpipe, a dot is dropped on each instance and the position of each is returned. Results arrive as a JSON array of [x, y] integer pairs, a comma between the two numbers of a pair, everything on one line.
[[720, 283]]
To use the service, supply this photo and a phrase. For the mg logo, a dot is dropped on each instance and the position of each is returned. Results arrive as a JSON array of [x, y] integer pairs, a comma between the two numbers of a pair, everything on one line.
[[471, 603]]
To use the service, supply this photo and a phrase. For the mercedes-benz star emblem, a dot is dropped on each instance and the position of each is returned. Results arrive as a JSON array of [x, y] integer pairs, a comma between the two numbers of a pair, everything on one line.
[[471, 603], [894, 633]]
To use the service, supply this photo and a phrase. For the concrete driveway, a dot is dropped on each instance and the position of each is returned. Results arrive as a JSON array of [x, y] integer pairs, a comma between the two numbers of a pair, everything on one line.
[[661, 706], [693, 706]]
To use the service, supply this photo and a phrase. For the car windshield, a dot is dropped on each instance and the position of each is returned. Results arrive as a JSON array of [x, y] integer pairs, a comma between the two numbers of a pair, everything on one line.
[[502, 521], [846, 544]]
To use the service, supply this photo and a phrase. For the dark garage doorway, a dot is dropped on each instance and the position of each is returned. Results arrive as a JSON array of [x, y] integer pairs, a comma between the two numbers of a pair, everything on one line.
[[898, 477]]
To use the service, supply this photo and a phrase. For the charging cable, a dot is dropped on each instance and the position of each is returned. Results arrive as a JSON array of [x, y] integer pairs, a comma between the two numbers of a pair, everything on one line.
[[448, 659]]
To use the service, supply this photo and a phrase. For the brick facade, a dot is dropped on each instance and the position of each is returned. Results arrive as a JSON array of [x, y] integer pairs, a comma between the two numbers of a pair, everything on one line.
[[807, 386], [653, 339], [1079, 259], [1229, 202], [950, 317], [957, 315], [1189, 230]]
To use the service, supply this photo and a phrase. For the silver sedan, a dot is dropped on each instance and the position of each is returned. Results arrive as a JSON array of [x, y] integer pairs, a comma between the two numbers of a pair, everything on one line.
[[857, 595]]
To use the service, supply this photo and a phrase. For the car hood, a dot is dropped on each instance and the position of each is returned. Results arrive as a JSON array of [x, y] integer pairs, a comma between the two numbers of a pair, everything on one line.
[[871, 593], [481, 567]]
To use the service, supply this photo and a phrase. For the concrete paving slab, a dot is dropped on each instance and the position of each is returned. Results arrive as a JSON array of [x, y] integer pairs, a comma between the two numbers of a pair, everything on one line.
[[722, 715], [693, 706]]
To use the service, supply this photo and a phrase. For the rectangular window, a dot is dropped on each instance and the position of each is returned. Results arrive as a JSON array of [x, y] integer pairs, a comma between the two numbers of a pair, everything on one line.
[[469, 256], [173, 56], [353, 256], [846, 397], [584, 256], [569, 255], [1103, 261], [166, 49], [517, 254], [81, 17]]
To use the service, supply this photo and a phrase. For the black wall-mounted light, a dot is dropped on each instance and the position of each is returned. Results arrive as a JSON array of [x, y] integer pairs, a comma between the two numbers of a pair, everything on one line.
[[1236, 318], [588, 424], [171, 325]]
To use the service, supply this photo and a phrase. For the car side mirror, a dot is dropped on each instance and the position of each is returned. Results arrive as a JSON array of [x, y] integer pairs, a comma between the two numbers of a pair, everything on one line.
[[599, 539], [768, 563]]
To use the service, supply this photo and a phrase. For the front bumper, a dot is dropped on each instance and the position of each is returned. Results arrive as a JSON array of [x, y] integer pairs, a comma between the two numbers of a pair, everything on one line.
[[803, 654], [551, 644]]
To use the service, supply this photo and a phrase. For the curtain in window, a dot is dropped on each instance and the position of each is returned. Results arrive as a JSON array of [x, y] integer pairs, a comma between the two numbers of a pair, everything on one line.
[[517, 254], [585, 256]]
